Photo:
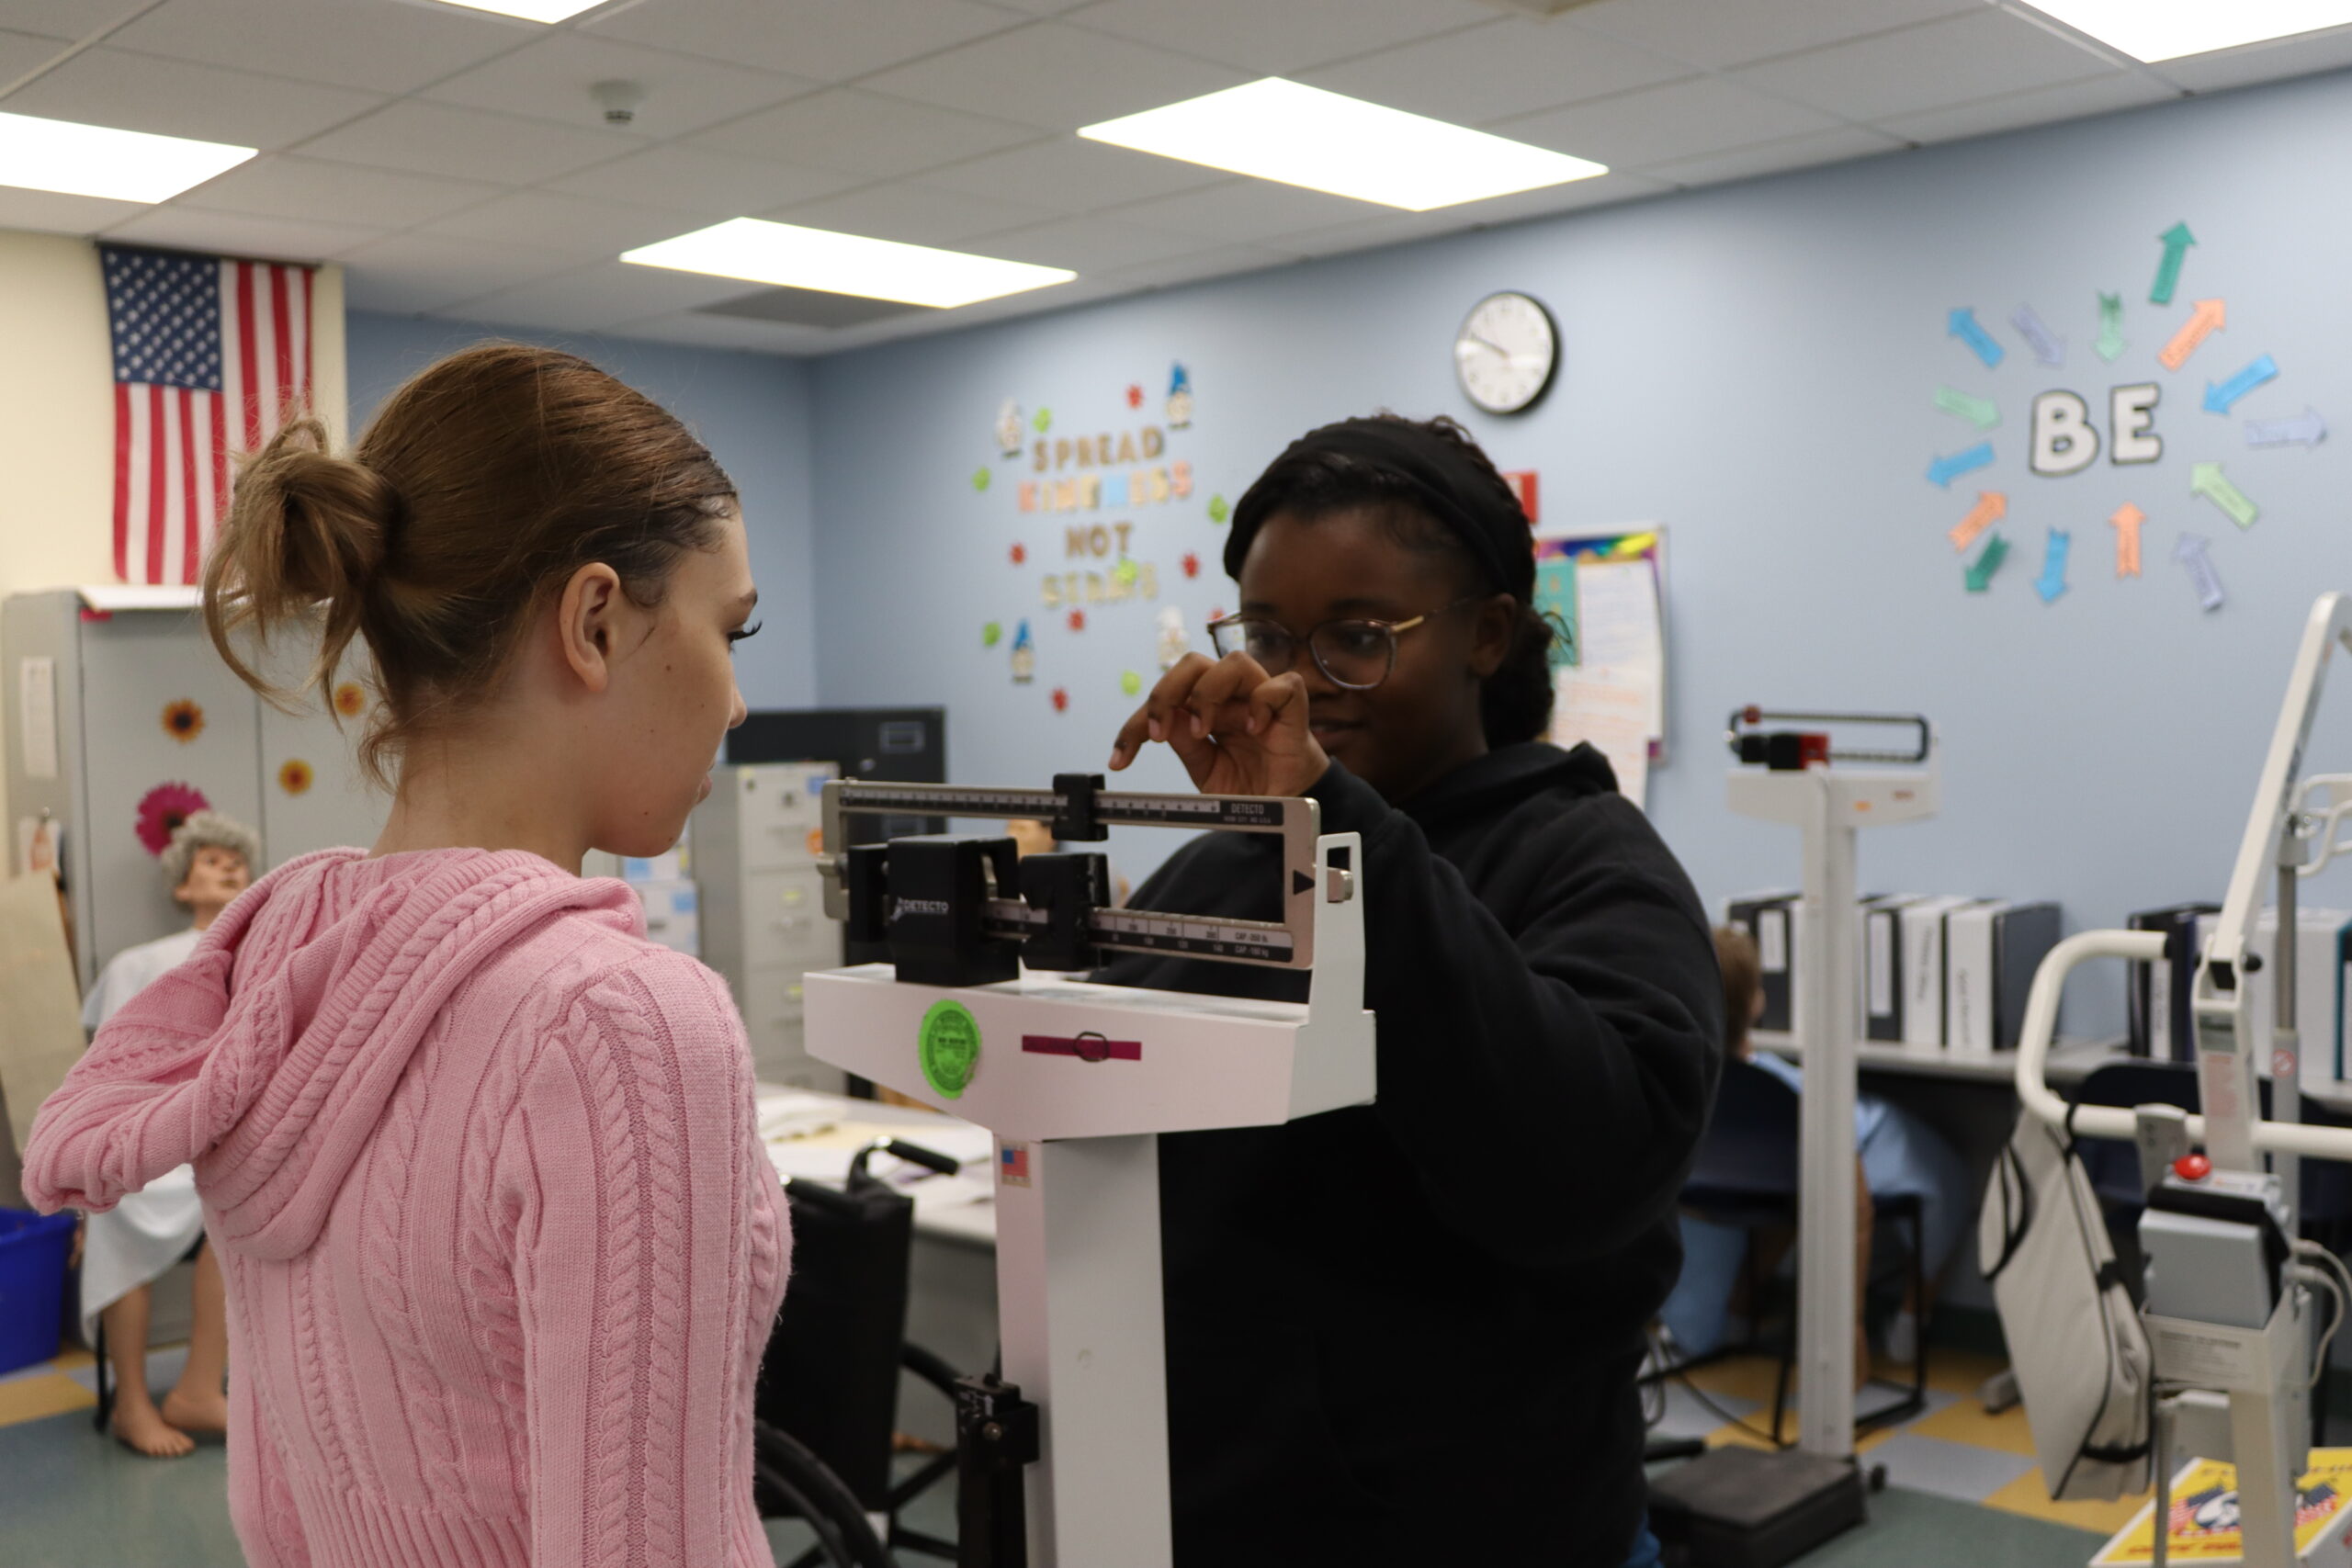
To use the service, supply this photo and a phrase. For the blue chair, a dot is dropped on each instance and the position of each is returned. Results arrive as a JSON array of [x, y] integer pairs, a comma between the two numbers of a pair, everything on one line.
[[1745, 1173]]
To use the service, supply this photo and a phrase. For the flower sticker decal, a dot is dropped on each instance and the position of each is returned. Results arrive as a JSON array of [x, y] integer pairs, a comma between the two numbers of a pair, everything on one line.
[[295, 776], [163, 809], [349, 700], [183, 720]]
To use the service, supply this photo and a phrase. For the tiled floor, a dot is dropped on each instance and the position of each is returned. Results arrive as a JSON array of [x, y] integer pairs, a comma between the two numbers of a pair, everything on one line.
[[1953, 1449], [70, 1496]]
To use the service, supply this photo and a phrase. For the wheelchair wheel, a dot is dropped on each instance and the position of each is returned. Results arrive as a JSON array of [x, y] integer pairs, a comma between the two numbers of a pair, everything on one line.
[[814, 1494]]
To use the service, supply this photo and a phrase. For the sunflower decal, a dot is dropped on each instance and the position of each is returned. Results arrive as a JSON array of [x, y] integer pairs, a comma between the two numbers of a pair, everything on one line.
[[183, 720], [349, 700], [163, 809], [295, 775]]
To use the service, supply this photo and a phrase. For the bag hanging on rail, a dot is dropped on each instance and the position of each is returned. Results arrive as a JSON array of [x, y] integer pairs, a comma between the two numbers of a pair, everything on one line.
[[2076, 1340]]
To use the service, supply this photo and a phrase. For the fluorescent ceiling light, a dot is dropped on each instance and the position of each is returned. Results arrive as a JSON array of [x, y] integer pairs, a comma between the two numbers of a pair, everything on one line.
[[1280, 130], [98, 160], [530, 10], [794, 257], [2167, 29]]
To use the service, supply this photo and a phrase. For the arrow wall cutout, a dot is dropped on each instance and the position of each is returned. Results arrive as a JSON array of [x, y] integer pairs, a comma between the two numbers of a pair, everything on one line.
[[2195, 554], [2126, 522]]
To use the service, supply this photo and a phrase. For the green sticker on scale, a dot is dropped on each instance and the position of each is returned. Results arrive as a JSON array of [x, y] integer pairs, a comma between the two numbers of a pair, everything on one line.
[[949, 1047]]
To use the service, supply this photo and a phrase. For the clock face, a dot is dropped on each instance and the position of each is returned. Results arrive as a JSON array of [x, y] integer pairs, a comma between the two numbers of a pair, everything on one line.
[[1506, 353]]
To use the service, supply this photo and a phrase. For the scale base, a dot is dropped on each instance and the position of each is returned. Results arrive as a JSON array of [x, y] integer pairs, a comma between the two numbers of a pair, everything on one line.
[[1739, 1507]]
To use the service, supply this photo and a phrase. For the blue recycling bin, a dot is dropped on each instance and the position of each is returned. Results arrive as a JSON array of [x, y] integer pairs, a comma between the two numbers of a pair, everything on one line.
[[33, 1250]]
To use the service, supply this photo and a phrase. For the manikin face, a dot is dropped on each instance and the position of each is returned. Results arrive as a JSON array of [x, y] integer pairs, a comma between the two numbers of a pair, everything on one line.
[[215, 878], [672, 697]]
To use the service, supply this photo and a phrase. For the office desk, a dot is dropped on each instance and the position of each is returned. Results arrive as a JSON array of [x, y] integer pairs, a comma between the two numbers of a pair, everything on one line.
[[2071, 1061]]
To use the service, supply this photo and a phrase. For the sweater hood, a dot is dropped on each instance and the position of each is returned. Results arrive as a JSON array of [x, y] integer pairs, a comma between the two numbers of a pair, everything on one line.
[[268, 1057], [1508, 775]]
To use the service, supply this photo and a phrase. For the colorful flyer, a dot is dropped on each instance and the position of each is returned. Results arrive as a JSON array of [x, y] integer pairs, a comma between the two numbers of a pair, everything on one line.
[[2204, 1524]]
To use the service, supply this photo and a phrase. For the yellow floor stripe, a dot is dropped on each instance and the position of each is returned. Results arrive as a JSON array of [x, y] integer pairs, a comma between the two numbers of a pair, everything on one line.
[[1964, 1421], [52, 1394]]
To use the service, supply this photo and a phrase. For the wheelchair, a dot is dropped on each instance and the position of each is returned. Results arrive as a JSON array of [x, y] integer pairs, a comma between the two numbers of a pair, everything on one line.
[[827, 1405]]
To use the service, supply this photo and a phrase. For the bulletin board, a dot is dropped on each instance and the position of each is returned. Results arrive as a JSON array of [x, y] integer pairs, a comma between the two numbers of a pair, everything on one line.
[[1607, 590]]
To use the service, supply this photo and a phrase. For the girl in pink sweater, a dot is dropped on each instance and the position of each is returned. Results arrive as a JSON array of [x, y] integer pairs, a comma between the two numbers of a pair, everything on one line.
[[500, 1242]]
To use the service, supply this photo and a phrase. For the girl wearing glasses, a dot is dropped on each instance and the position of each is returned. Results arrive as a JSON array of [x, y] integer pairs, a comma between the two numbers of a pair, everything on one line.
[[1407, 1332]]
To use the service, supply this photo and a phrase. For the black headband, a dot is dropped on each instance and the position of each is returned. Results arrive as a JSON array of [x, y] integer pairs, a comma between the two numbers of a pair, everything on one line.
[[1440, 479]]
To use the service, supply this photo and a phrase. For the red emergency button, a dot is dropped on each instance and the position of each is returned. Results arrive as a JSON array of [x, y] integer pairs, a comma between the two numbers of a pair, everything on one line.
[[2193, 1168]]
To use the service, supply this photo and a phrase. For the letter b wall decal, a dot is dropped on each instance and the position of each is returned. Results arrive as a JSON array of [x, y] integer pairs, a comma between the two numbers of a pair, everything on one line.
[[2064, 440]]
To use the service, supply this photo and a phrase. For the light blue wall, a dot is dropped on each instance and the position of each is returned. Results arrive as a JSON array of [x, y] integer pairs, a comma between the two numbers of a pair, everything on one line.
[[1752, 366], [750, 410]]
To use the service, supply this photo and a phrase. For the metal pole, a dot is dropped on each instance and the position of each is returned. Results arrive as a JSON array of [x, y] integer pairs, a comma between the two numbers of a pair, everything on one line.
[[2286, 1046], [1830, 1005]]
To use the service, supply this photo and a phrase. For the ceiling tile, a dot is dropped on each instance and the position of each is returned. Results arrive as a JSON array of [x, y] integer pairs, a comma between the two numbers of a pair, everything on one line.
[[171, 97], [431, 139], [1222, 262], [1277, 37], [1682, 120], [66, 18], [1370, 234], [577, 227], [388, 46], [2044, 106], [1405, 227], [912, 214], [597, 298], [1243, 211], [693, 179], [1511, 66], [411, 272], [236, 234], [1034, 303], [47, 212], [1773, 157], [2261, 62], [23, 52], [726, 332], [858, 133], [1054, 76], [1955, 60], [1719, 33], [548, 79], [1087, 244], [284, 184], [831, 41], [1071, 174]]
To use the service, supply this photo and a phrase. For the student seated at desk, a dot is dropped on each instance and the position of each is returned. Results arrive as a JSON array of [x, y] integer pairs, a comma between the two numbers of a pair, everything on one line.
[[1899, 1154]]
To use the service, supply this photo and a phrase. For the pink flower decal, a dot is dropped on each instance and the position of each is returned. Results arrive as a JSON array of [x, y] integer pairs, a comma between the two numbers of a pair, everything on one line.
[[163, 809]]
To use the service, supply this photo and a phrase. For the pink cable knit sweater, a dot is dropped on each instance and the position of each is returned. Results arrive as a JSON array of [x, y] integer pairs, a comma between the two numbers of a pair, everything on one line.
[[502, 1245]]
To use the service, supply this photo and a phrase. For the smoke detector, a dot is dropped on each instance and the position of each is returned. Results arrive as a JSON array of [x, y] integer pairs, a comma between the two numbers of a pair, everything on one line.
[[619, 101]]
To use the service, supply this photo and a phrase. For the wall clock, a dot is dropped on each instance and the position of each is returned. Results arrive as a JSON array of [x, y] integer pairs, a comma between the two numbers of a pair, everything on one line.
[[1506, 353]]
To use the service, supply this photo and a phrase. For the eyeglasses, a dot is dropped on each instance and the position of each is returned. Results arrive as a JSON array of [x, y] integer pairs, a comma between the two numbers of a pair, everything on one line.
[[1357, 654]]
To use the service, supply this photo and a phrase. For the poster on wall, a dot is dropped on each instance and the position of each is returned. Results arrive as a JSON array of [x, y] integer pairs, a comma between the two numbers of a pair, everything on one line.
[[1607, 592], [1104, 518]]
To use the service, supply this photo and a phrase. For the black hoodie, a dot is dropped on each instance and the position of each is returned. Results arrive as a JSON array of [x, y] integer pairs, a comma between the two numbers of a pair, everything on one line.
[[1407, 1332]]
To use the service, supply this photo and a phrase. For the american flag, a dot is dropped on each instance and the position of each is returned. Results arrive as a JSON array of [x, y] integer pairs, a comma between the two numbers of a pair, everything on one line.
[[209, 355]]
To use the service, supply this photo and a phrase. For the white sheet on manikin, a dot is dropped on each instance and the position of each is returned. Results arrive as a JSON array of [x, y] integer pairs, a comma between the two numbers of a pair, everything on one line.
[[149, 1230]]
